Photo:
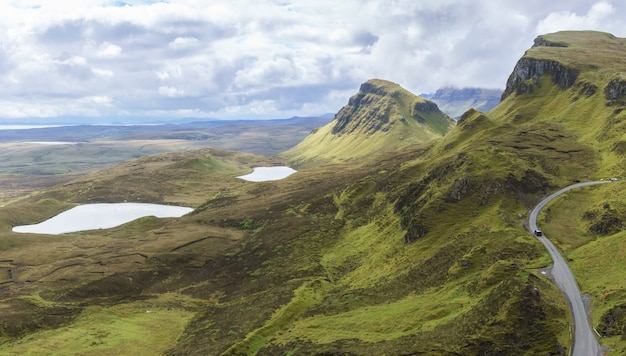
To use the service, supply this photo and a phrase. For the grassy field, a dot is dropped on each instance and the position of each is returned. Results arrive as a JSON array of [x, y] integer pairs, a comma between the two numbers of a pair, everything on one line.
[[140, 328]]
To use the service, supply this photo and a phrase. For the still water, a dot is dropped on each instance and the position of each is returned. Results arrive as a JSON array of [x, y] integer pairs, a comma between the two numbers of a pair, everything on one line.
[[101, 216], [262, 174]]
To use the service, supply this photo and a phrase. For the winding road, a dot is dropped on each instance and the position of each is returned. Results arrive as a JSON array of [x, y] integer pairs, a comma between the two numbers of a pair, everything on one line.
[[585, 343]]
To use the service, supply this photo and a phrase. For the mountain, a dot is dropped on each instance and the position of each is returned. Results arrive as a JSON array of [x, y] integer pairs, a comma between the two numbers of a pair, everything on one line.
[[382, 116], [455, 101], [573, 82], [409, 249]]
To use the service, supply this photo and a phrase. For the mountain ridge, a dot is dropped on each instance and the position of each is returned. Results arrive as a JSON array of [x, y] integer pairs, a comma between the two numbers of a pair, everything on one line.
[[381, 116]]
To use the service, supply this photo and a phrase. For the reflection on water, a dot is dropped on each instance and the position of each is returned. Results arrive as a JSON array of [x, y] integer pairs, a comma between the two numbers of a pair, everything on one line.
[[262, 174], [101, 216]]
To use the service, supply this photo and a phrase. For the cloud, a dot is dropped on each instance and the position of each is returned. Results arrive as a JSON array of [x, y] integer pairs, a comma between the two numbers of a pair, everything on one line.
[[171, 92], [109, 50], [269, 58], [594, 19], [183, 42]]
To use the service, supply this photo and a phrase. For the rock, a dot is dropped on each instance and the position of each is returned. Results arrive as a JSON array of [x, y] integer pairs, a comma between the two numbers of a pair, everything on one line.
[[462, 187], [527, 72], [541, 41], [615, 89]]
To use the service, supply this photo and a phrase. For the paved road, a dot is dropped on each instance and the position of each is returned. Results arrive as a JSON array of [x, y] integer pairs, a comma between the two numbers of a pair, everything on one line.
[[585, 343]]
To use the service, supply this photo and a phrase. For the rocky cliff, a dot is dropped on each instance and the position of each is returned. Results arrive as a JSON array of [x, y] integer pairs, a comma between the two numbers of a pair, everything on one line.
[[564, 56], [527, 72], [379, 102], [381, 116]]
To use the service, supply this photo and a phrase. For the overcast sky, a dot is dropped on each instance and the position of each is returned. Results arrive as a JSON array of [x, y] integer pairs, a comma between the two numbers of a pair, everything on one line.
[[261, 58]]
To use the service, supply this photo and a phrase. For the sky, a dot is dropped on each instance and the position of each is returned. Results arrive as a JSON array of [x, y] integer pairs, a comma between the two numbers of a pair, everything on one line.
[[140, 59]]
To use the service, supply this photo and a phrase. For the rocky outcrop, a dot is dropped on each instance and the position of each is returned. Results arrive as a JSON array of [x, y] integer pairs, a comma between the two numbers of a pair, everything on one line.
[[463, 187], [544, 42], [371, 88], [527, 72], [370, 109], [372, 121], [426, 107], [585, 88], [606, 222], [613, 322], [615, 89]]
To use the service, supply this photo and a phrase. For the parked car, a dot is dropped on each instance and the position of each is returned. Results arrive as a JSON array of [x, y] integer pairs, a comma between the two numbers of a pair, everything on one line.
[[538, 232]]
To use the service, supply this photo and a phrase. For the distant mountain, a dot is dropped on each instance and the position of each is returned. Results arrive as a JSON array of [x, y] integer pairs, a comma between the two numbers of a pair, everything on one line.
[[382, 116], [455, 101]]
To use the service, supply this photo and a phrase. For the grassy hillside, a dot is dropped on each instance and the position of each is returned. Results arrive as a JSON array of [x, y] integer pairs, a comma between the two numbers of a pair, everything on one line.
[[381, 117], [419, 249]]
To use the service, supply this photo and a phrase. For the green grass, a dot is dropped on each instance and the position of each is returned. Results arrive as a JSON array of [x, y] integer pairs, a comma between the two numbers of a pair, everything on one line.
[[136, 328], [412, 314], [600, 267], [304, 297], [598, 262], [585, 49]]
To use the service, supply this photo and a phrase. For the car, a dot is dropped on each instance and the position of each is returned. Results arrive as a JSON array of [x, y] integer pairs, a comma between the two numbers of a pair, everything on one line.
[[614, 179], [538, 232]]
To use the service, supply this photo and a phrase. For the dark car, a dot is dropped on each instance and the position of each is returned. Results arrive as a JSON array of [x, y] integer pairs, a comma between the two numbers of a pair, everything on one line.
[[538, 232]]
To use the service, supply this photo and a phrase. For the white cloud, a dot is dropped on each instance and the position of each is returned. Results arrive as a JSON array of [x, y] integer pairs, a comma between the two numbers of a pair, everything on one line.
[[262, 57], [183, 42], [102, 72], [171, 92], [73, 61], [109, 50], [593, 19]]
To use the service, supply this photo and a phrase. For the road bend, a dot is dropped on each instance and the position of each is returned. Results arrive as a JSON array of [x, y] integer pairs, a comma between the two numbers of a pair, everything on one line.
[[585, 343]]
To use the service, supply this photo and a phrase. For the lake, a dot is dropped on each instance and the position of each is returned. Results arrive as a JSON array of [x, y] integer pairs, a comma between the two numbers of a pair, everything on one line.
[[262, 174], [101, 216]]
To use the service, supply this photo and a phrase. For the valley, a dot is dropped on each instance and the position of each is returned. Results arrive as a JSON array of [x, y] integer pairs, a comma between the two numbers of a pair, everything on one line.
[[30, 164], [402, 232]]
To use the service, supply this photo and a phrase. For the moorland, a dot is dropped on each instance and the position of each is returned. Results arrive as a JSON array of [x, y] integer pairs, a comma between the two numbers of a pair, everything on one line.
[[402, 233], [29, 164]]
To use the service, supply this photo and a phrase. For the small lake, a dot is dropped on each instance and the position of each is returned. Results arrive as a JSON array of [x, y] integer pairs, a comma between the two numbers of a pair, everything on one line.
[[101, 216], [263, 174]]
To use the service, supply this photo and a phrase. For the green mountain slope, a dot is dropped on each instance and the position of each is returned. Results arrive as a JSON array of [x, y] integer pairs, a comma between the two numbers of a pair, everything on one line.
[[419, 249], [573, 80], [382, 116]]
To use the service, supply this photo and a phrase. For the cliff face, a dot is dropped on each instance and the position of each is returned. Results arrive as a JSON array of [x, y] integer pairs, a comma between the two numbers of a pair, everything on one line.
[[564, 56], [378, 103], [365, 110], [615, 89], [527, 72]]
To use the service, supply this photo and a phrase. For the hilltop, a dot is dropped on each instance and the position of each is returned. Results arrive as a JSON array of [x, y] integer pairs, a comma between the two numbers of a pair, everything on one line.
[[381, 117], [376, 246]]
